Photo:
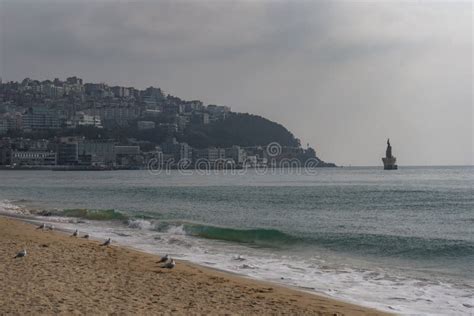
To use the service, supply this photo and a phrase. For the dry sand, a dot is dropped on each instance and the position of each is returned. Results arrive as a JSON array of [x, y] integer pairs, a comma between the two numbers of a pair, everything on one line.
[[67, 275]]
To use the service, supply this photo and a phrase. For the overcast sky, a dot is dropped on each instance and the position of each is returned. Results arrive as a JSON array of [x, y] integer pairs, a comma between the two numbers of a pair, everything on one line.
[[341, 75]]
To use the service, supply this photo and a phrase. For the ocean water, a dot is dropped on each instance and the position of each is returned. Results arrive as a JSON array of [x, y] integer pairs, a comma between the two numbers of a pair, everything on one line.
[[401, 241]]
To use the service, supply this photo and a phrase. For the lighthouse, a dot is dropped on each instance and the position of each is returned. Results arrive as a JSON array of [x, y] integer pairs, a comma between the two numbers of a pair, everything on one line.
[[389, 161]]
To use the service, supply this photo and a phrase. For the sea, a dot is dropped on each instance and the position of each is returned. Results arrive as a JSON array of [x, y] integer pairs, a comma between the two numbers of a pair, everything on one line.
[[400, 241]]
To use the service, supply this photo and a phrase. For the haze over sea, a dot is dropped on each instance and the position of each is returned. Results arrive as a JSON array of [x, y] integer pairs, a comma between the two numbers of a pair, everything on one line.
[[400, 241]]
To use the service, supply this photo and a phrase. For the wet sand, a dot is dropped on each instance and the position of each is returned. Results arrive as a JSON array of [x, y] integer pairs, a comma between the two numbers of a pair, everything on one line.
[[67, 275]]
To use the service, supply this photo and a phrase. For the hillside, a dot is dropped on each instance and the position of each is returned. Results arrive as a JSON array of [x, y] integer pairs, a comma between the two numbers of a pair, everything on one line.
[[241, 129], [48, 110]]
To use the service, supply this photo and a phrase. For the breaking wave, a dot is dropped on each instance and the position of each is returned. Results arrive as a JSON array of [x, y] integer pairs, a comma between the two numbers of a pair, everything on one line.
[[139, 224], [379, 245]]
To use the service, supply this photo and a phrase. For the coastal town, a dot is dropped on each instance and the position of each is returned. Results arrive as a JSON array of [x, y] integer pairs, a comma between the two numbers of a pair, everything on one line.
[[54, 124]]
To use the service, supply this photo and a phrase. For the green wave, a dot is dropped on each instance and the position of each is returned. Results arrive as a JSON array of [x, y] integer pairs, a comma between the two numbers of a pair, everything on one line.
[[259, 236], [385, 245]]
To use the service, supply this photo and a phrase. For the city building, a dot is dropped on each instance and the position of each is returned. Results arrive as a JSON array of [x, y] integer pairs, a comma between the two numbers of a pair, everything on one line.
[[251, 161], [185, 152], [68, 151], [33, 158], [129, 157], [177, 151], [237, 154], [40, 118], [144, 125], [127, 150], [96, 89], [120, 92], [169, 128], [52, 91], [182, 122], [101, 151], [193, 106], [151, 112], [3, 125], [173, 109], [200, 118], [5, 151], [210, 154], [74, 81], [218, 112], [82, 119], [117, 115]]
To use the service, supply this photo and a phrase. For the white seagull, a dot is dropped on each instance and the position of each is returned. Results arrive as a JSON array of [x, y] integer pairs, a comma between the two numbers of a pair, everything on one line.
[[164, 258], [20, 254], [169, 265], [239, 258], [75, 233], [106, 243]]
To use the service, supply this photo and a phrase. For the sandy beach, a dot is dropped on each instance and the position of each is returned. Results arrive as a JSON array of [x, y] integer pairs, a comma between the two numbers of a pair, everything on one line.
[[67, 275]]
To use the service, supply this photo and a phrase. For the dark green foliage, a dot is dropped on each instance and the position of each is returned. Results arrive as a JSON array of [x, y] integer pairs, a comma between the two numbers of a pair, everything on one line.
[[239, 129]]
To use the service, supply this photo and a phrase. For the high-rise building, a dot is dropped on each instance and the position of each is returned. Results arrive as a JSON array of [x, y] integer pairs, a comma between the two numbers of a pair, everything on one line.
[[40, 118], [68, 151]]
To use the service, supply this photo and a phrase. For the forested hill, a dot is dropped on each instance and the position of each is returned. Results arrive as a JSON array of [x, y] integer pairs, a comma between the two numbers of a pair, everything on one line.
[[241, 129]]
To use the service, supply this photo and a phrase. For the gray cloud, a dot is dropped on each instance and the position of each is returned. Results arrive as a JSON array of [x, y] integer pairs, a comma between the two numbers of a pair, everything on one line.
[[342, 75]]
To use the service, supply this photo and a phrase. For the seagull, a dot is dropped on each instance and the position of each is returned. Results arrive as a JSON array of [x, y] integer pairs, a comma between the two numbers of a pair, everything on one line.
[[239, 258], [86, 236], [164, 258], [106, 243], [169, 265], [42, 226], [20, 254], [74, 234], [247, 266]]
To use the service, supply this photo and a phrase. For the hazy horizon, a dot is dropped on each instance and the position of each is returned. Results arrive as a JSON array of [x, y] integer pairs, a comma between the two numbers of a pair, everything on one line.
[[341, 76]]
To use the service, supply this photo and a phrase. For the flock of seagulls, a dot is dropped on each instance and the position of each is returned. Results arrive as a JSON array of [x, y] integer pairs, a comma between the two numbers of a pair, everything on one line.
[[168, 262]]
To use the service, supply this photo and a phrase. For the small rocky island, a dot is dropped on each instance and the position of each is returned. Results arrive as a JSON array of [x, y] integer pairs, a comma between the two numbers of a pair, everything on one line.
[[389, 161]]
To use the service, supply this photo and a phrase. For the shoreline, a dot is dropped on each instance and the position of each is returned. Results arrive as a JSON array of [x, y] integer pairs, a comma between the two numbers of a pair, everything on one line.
[[62, 274]]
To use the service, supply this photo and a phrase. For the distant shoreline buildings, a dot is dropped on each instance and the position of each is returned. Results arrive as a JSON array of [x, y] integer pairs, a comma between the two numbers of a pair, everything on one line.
[[45, 124]]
